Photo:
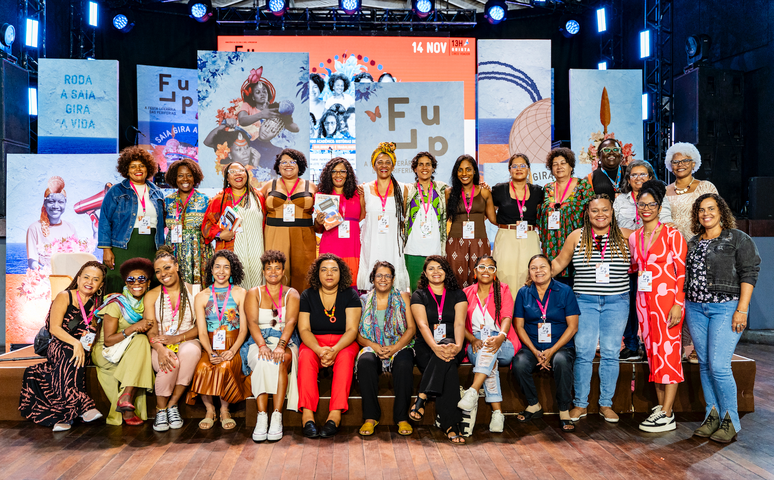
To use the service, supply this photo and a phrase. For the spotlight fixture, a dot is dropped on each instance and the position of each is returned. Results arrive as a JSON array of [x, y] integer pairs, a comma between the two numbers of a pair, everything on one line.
[[277, 7], [645, 44], [200, 10], [601, 20], [93, 14], [7, 35], [349, 6], [697, 48], [602, 66], [31, 35], [569, 26], [423, 8], [645, 107], [32, 95], [123, 22], [495, 11]]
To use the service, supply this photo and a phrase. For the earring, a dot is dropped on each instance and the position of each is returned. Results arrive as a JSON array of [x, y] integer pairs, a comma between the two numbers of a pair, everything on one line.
[[231, 279]]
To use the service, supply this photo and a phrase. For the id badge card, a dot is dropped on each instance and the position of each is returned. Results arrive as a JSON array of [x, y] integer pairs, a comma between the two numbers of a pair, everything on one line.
[[439, 332], [603, 273], [289, 212], [468, 230], [219, 339], [553, 220], [544, 332], [383, 224], [344, 229], [424, 227], [177, 234], [486, 332], [87, 340], [645, 282], [145, 226], [521, 229]]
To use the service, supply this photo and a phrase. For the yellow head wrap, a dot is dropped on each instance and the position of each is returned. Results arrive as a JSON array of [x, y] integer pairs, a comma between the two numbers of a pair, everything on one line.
[[387, 148]]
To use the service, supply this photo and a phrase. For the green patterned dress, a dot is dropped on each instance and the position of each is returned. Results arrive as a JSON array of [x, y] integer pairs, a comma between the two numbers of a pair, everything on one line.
[[192, 252]]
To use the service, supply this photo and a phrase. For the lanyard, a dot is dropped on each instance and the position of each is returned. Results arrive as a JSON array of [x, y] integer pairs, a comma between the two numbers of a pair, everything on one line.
[[564, 194], [140, 197], [486, 304], [236, 203], [617, 183], [273, 304], [83, 311], [604, 247], [386, 195], [169, 299], [636, 211], [425, 205], [290, 192], [180, 209], [522, 203], [218, 313], [440, 306], [543, 308], [643, 252], [468, 208]]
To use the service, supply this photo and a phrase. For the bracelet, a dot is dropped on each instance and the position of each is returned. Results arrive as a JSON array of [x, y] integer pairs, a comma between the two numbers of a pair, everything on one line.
[[261, 346], [745, 313], [123, 332]]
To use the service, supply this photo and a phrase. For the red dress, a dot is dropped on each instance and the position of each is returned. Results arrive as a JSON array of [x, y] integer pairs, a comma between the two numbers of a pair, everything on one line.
[[666, 261]]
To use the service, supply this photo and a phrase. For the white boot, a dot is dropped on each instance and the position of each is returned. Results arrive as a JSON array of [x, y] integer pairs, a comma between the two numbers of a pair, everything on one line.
[[275, 431], [261, 426]]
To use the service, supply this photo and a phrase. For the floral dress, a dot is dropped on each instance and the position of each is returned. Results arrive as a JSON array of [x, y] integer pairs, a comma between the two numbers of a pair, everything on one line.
[[191, 251]]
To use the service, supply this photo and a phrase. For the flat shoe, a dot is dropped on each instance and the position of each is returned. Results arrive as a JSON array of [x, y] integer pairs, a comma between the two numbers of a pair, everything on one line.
[[567, 423], [368, 428], [124, 406], [575, 419], [405, 427], [609, 419], [208, 422], [528, 416], [310, 430], [134, 421], [329, 429], [227, 423]]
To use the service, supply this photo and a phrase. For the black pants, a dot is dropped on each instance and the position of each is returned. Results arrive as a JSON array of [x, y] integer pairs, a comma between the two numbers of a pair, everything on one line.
[[369, 366], [441, 379], [631, 340], [525, 364]]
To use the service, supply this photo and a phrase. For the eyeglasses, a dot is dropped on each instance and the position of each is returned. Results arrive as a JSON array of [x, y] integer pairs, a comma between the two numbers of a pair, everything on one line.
[[685, 161], [234, 171], [650, 206], [287, 163], [486, 268], [639, 175], [611, 150], [339, 172], [141, 279], [519, 166], [383, 276]]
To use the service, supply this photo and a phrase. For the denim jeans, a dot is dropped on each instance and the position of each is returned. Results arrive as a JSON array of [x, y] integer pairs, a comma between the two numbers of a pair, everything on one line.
[[603, 318], [631, 332], [715, 342], [483, 364]]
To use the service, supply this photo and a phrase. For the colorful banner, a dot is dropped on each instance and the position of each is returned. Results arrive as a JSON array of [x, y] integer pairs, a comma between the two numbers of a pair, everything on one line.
[[417, 117], [78, 105], [167, 107], [251, 106], [56, 201]]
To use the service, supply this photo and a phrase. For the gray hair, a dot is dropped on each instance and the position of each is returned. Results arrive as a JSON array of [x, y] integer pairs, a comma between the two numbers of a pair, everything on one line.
[[636, 163], [687, 150]]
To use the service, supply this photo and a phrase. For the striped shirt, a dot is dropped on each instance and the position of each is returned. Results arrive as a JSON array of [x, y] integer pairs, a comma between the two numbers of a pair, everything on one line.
[[586, 273]]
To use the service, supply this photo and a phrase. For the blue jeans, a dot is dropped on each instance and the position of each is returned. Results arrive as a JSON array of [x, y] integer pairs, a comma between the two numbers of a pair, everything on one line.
[[603, 318], [715, 342], [492, 391]]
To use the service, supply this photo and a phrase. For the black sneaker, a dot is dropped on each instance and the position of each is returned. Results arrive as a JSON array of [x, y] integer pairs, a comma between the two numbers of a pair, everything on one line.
[[629, 355], [162, 422], [175, 421]]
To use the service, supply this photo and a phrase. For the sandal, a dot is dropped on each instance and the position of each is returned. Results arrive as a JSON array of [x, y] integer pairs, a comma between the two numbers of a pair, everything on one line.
[[455, 437], [208, 422], [368, 428], [405, 429], [134, 421], [526, 416], [420, 403], [567, 425], [124, 404], [227, 423]]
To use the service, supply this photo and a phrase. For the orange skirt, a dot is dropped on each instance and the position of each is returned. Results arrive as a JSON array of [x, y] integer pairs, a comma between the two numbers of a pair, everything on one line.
[[224, 380]]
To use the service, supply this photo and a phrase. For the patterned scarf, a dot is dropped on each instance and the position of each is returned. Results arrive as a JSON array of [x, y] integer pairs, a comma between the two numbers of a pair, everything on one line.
[[415, 205], [131, 308], [394, 320]]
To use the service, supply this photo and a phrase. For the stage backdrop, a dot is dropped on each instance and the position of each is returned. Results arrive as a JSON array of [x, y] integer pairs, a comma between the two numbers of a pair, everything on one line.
[[604, 104], [270, 92], [417, 117], [76, 185], [78, 105], [167, 107]]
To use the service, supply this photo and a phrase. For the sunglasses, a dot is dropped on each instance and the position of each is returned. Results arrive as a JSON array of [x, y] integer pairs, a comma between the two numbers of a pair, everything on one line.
[[141, 279], [486, 268], [611, 150]]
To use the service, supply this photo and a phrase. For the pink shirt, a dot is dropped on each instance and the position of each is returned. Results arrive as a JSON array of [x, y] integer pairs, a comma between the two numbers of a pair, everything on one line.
[[506, 310]]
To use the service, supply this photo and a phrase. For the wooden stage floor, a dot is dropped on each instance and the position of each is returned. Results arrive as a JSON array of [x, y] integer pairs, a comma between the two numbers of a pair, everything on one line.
[[529, 451]]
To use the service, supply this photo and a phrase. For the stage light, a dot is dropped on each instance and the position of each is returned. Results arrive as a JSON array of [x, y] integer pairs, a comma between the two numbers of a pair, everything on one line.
[[602, 66], [645, 108], [93, 14], [495, 11], [277, 7], [601, 20], [570, 27], [200, 10], [423, 8], [33, 96], [645, 44], [7, 34], [349, 6], [123, 22], [31, 35]]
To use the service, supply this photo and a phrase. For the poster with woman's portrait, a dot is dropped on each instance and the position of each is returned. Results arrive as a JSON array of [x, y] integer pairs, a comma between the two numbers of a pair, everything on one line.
[[251, 106], [53, 207]]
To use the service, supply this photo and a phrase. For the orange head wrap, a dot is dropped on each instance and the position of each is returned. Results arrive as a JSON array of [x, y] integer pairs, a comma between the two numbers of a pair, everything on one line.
[[55, 185]]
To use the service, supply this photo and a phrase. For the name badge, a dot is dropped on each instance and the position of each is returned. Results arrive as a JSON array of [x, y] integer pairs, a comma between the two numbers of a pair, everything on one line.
[[87, 340], [645, 282], [468, 230], [177, 234], [603, 273], [289, 212], [383, 224], [145, 226], [544, 332], [219, 339], [424, 227], [553, 220], [439, 332], [521, 230], [486, 332], [344, 229]]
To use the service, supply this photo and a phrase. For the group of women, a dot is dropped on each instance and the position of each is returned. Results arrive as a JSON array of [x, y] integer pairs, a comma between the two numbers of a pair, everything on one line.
[[245, 306]]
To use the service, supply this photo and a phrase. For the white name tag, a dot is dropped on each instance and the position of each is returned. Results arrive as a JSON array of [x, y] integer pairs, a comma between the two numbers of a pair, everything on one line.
[[344, 229], [603, 273], [87, 340], [439, 332], [383, 224], [145, 226], [486, 332], [424, 227], [289, 212], [553, 220], [219, 340], [544, 332], [645, 282], [468, 230], [521, 230], [177, 234]]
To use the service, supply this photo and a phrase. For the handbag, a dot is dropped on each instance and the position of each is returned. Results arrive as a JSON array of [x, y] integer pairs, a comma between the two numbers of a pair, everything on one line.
[[114, 353], [43, 338]]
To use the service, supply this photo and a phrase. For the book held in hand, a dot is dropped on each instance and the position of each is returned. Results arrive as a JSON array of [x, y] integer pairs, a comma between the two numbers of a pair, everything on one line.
[[329, 206], [230, 220]]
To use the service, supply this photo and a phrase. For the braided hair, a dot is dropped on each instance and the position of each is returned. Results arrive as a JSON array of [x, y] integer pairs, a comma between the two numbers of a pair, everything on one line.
[[456, 192], [167, 252], [616, 238], [498, 298], [388, 148]]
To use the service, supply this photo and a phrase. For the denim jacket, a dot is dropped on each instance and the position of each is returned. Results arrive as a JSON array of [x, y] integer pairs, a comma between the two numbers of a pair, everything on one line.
[[118, 213], [732, 258]]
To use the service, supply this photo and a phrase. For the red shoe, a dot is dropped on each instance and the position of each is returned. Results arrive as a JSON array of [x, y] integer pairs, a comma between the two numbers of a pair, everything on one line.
[[133, 421], [124, 405]]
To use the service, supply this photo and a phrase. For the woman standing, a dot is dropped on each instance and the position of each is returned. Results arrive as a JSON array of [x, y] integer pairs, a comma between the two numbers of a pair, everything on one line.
[[492, 342], [387, 335], [563, 204], [50, 227], [220, 319], [53, 393], [131, 219], [185, 215], [658, 252], [468, 206], [721, 271], [338, 178], [328, 318], [289, 222], [517, 240], [424, 230], [439, 308], [247, 239], [173, 338], [272, 314], [127, 380], [600, 253], [382, 202]]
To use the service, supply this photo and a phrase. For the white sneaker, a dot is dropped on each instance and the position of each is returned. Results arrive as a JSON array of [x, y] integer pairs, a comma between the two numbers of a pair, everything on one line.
[[91, 415], [62, 427], [275, 431], [658, 422], [469, 399], [497, 423], [261, 427]]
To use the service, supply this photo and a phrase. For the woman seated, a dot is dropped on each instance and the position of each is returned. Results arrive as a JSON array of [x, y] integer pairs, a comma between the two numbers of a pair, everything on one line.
[[491, 340], [126, 379], [328, 318], [439, 308], [546, 314], [387, 335], [220, 319], [173, 337], [54, 393], [272, 314]]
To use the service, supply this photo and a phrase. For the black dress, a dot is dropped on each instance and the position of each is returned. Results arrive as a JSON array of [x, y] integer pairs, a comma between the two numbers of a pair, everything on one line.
[[55, 391]]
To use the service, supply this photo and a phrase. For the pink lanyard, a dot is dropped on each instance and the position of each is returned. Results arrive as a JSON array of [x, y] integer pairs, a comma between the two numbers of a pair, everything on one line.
[[520, 204], [83, 311], [218, 313], [140, 197], [290, 192], [279, 307], [440, 306], [468, 208], [386, 195], [179, 208], [636, 211], [425, 205], [564, 195], [643, 260], [543, 308], [169, 299], [236, 204], [486, 304], [604, 248]]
